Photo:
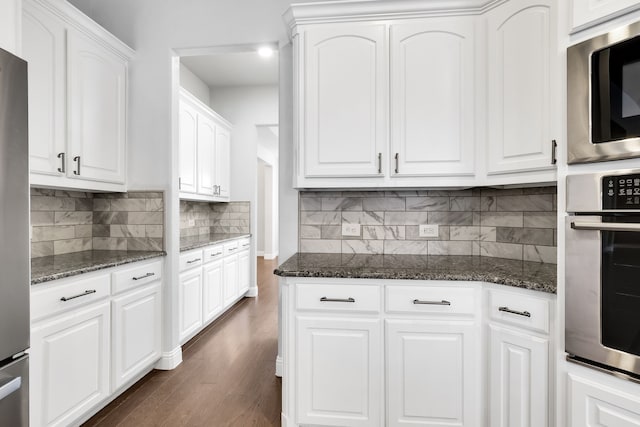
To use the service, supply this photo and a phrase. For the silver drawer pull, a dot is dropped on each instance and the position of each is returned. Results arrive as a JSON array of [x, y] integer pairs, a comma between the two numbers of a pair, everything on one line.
[[605, 226], [232, 249], [216, 254], [144, 277], [87, 292], [519, 313], [193, 260], [325, 299], [246, 245], [442, 302]]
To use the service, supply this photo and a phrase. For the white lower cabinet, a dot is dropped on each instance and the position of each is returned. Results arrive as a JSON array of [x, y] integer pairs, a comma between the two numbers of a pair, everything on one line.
[[431, 373], [230, 279], [190, 296], [339, 371], [69, 365], [244, 272], [213, 280]]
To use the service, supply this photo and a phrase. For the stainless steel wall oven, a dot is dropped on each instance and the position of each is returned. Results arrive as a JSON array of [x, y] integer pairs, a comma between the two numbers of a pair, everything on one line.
[[602, 320]]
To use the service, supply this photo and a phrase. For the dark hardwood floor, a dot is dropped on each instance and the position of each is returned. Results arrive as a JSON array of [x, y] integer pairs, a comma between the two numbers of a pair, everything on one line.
[[227, 377]]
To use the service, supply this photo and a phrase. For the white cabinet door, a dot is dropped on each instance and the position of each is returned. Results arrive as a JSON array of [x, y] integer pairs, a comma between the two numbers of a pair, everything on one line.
[[433, 97], [230, 279], [223, 163], [595, 11], [137, 324], [518, 379], [188, 148], [522, 65], [213, 281], [244, 272], [190, 291], [432, 373], [345, 79], [339, 371], [206, 147], [594, 404], [43, 46], [97, 110], [69, 365]]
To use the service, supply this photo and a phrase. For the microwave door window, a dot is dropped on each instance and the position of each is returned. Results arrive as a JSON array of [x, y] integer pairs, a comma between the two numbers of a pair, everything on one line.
[[631, 90]]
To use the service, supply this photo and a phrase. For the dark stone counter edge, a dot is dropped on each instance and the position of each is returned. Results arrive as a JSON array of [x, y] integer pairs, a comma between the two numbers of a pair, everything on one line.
[[466, 277], [95, 267], [211, 242]]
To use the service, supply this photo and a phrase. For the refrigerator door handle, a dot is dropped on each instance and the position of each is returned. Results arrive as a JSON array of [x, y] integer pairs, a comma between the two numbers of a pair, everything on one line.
[[9, 385]]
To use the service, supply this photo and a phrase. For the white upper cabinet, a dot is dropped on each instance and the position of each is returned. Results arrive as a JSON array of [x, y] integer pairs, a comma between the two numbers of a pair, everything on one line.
[[77, 98], [222, 183], [432, 97], [585, 12], [206, 153], [188, 147], [521, 59], [344, 100]]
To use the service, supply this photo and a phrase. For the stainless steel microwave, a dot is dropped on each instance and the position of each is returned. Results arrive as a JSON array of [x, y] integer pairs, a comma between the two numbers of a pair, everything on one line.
[[603, 97]]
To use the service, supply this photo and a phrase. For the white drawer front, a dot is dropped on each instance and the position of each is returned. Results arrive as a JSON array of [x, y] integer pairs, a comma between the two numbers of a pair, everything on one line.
[[231, 248], [65, 294], [351, 298], [213, 253], [428, 299], [137, 275], [244, 244], [191, 259], [519, 309]]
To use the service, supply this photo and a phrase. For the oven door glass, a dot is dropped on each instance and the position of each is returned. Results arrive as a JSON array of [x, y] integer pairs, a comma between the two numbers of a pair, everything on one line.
[[620, 294], [615, 92]]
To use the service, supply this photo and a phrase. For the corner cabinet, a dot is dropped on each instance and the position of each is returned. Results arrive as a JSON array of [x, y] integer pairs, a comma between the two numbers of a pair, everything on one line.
[[204, 151], [78, 98]]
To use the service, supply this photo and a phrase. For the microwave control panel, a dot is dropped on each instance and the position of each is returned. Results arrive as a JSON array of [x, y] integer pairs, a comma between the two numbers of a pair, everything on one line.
[[621, 192]]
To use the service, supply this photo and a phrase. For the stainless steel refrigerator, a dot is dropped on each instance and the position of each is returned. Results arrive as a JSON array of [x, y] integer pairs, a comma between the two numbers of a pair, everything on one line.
[[14, 242]]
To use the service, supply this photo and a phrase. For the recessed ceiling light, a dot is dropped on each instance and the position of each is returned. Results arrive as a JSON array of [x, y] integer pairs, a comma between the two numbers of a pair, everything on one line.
[[265, 51]]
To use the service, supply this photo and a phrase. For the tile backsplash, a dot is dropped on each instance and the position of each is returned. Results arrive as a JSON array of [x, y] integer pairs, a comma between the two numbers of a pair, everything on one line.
[[504, 223], [72, 221], [202, 218]]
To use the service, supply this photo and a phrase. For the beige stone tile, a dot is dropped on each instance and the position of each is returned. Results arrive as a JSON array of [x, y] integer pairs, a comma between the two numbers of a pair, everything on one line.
[[546, 254], [50, 233], [449, 248], [320, 246], [405, 247], [362, 246]]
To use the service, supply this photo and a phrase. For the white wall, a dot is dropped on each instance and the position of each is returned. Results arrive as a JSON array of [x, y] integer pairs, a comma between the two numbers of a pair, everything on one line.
[[193, 84], [158, 31], [11, 26], [260, 208], [268, 153]]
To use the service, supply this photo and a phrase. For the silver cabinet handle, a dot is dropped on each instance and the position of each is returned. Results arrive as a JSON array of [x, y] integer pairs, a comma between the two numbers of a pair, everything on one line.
[[77, 171], [193, 260], [63, 168], [325, 299], [216, 254], [397, 167], [605, 226], [87, 292], [442, 302], [519, 313], [379, 162], [554, 146], [144, 277], [246, 245], [10, 386], [232, 249]]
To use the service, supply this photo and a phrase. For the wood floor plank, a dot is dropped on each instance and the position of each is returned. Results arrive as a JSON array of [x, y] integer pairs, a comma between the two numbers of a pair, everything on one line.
[[227, 377]]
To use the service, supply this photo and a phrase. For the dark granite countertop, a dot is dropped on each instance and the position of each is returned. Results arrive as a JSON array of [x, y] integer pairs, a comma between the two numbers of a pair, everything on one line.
[[44, 269], [194, 242], [521, 274]]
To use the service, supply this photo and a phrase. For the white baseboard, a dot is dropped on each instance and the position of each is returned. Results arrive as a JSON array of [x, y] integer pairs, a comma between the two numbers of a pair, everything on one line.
[[252, 292], [271, 256], [284, 421], [259, 253], [279, 366], [170, 360]]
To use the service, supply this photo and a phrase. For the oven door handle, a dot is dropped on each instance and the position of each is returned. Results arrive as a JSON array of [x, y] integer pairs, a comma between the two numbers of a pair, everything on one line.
[[605, 226]]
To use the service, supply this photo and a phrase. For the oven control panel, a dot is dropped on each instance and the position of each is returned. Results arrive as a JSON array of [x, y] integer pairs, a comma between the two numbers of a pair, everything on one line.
[[621, 192]]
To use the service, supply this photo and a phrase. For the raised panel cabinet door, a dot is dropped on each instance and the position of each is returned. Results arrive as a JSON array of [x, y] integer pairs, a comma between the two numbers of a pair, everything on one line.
[[594, 11], [244, 272], [69, 365], [223, 162], [345, 101], [97, 100], [595, 404], [230, 279], [213, 282], [339, 371], [44, 48], [206, 155], [137, 323], [433, 97], [522, 65], [432, 373], [188, 148], [518, 379], [190, 294]]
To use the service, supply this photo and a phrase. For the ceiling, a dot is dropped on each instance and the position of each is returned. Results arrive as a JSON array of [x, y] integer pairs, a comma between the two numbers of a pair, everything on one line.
[[234, 69]]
